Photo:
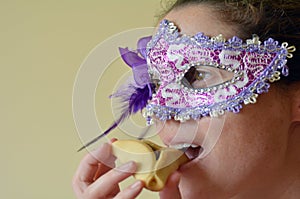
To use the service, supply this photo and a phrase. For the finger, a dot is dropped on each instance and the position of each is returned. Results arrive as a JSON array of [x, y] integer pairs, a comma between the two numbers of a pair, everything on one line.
[[108, 164], [102, 168], [131, 192], [171, 190], [89, 165], [108, 183], [90, 162]]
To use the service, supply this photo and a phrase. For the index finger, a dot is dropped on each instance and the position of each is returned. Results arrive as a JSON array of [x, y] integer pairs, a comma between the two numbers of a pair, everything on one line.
[[89, 164]]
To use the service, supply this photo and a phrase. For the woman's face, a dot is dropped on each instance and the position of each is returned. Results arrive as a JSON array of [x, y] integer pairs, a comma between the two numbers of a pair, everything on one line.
[[251, 149]]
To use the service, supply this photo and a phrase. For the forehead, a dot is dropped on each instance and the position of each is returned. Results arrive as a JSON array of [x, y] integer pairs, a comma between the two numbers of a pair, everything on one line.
[[192, 19]]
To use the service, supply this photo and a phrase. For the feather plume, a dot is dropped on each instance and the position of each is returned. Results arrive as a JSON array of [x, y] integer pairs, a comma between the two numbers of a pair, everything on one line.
[[135, 97]]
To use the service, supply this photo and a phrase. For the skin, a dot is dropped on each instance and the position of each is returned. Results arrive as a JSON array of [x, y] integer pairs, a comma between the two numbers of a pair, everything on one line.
[[256, 156]]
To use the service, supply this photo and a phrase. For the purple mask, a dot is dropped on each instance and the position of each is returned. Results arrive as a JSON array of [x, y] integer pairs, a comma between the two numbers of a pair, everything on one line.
[[197, 76], [188, 77]]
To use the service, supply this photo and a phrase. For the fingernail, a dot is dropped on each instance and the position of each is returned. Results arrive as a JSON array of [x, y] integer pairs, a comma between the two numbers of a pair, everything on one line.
[[129, 167], [136, 185], [113, 140]]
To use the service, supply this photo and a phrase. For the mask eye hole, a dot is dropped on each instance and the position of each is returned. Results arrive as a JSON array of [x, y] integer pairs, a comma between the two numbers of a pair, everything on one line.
[[155, 80], [194, 75], [199, 77], [155, 84]]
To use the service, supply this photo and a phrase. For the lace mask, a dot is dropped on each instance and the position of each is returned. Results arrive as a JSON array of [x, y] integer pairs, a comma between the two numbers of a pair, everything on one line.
[[197, 76], [188, 77]]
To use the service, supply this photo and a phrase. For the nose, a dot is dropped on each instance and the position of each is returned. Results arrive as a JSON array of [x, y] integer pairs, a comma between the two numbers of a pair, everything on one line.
[[204, 132]]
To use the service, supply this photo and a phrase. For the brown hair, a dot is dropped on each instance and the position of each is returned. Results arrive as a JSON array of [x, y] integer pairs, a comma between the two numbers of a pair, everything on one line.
[[279, 19]]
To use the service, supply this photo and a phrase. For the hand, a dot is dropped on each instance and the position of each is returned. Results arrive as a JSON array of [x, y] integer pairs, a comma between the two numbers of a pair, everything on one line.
[[95, 180], [171, 190]]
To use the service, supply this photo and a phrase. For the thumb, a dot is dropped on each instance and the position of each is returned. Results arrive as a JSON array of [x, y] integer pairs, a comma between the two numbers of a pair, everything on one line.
[[171, 190]]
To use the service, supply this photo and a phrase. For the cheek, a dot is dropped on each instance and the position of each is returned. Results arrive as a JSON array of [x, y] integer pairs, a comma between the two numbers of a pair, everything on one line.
[[247, 150], [167, 130]]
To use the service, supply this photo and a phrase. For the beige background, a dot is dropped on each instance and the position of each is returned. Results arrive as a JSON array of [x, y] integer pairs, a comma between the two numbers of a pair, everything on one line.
[[42, 45]]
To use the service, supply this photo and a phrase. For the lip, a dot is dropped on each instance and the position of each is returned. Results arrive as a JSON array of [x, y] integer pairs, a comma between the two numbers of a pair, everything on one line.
[[182, 142], [188, 165], [191, 163], [183, 146], [191, 150]]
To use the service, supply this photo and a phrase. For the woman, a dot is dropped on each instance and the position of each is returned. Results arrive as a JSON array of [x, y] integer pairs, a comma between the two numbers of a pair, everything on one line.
[[258, 152]]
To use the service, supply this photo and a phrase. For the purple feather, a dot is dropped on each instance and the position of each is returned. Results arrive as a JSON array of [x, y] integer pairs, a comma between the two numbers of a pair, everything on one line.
[[138, 65], [99, 137], [135, 97], [139, 99], [131, 58], [136, 102], [142, 46]]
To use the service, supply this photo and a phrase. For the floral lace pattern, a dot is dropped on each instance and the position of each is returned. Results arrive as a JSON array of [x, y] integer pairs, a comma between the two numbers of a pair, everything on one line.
[[170, 55]]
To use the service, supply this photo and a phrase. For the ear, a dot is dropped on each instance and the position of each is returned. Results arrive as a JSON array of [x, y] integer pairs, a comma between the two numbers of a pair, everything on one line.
[[295, 102]]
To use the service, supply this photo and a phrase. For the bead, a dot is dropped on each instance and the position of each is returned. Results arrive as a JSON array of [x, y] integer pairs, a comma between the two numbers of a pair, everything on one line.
[[284, 45], [285, 71]]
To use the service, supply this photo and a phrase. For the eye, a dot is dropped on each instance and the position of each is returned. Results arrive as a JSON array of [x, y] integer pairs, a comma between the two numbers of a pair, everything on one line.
[[199, 77]]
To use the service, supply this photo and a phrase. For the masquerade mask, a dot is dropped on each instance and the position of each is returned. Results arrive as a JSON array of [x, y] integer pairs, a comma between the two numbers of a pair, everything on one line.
[[198, 76], [189, 77]]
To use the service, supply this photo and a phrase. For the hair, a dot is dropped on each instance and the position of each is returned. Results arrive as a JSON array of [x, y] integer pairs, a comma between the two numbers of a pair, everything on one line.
[[278, 19]]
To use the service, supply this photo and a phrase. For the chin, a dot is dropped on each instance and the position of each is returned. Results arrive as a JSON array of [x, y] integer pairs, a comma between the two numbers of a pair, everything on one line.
[[195, 184]]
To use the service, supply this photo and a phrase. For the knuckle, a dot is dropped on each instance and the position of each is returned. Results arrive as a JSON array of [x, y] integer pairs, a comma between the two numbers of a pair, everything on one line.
[[88, 194], [74, 182], [75, 177]]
